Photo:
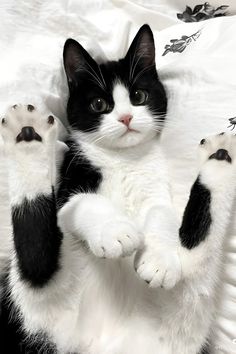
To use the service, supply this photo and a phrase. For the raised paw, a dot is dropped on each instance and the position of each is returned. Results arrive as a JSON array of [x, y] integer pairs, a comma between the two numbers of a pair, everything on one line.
[[217, 160], [23, 126], [117, 239], [158, 267], [221, 147]]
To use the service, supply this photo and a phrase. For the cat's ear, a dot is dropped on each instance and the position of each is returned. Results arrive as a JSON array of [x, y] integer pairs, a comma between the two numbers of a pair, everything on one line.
[[142, 49], [76, 59]]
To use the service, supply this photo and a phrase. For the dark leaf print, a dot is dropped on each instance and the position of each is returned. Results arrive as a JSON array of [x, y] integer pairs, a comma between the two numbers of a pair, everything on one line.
[[222, 8], [197, 8], [187, 17], [202, 12], [232, 122], [180, 16], [201, 17], [188, 10], [179, 45]]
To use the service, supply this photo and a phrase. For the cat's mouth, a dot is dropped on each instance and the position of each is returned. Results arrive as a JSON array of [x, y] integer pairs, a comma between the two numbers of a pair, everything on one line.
[[130, 130]]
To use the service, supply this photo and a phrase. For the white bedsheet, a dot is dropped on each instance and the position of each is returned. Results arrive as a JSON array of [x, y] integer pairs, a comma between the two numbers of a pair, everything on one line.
[[200, 81]]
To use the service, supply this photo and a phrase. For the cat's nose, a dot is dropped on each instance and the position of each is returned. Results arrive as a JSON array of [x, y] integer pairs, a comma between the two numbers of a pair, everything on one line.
[[126, 119]]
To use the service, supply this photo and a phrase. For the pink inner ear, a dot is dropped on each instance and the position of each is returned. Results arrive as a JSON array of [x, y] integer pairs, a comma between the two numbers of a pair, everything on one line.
[[72, 63]]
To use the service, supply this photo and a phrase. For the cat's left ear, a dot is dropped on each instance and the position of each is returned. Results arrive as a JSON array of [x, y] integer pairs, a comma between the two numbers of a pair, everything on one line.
[[142, 49], [76, 59]]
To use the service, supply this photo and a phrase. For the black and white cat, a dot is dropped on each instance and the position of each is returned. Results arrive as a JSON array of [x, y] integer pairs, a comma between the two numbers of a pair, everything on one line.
[[69, 278]]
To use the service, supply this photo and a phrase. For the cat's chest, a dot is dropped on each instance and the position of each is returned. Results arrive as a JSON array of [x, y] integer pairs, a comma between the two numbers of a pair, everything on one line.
[[127, 178], [120, 181]]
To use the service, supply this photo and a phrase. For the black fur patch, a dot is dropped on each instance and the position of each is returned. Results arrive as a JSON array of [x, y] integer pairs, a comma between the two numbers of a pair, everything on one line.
[[13, 338], [197, 218], [37, 239], [205, 349], [78, 175]]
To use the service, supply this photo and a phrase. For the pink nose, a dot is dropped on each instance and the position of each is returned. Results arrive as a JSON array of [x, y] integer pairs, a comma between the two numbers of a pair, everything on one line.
[[126, 119]]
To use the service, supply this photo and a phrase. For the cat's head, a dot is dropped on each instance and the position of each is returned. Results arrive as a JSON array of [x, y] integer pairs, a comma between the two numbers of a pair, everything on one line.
[[116, 104]]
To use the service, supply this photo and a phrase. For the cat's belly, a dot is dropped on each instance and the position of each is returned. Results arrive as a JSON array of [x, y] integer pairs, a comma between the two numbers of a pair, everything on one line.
[[120, 314], [116, 311], [109, 310]]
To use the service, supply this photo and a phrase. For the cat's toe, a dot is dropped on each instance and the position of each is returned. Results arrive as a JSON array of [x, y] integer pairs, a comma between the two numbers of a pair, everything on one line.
[[158, 269], [120, 239]]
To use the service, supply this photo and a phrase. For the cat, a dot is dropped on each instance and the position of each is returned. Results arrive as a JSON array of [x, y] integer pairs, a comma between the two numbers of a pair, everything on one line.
[[100, 264]]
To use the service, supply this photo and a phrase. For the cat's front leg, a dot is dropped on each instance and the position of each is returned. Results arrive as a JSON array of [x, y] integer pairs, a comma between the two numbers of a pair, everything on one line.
[[209, 208], [107, 231], [159, 263], [30, 147]]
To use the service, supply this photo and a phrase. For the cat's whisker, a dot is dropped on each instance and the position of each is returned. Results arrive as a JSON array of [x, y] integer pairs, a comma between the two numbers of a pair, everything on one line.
[[99, 79], [140, 73], [134, 66], [95, 76], [102, 77], [132, 63]]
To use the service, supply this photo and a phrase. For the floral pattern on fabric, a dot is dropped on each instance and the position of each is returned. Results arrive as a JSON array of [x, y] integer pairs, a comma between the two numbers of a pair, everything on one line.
[[179, 45], [202, 12]]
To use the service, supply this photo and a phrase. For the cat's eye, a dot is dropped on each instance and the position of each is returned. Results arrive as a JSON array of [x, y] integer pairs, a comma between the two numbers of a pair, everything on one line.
[[99, 105], [139, 97]]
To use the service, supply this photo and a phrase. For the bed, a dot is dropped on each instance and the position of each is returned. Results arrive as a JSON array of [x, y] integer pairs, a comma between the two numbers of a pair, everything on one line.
[[196, 59]]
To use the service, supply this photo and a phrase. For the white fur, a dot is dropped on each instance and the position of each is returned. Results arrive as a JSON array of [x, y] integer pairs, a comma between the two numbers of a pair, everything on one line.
[[101, 306], [114, 134]]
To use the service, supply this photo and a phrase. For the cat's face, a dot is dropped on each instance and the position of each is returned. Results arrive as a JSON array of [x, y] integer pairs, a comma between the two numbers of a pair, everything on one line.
[[117, 104]]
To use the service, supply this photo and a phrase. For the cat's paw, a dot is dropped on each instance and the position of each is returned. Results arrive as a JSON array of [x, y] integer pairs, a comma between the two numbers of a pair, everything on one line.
[[30, 149], [25, 129], [117, 239], [158, 266], [217, 159], [220, 147]]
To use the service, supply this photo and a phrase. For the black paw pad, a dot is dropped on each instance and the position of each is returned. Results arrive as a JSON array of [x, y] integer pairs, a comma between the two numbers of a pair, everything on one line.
[[30, 107], [221, 154], [3, 120], [28, 134], [202, 142], [50, 120]]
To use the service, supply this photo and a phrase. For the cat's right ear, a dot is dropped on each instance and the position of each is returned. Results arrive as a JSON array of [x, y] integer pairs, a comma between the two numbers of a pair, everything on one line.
[[76, 59], [142, 50]]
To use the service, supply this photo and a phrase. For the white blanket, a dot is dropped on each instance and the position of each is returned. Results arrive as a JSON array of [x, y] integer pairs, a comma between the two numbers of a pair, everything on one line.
[[199, 72]]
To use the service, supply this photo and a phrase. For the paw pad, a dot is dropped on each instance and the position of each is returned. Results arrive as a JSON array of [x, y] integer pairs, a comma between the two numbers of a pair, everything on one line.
[[28, 134], [30, 107], [50, 120], [221, 154], [202, 141]]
